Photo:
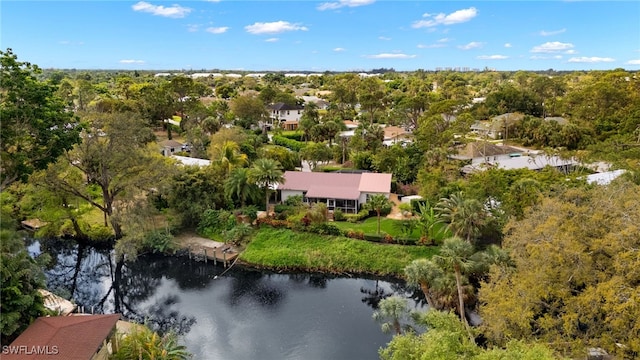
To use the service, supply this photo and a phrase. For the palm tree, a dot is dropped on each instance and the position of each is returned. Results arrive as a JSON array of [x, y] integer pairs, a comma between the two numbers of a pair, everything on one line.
[[427, 221], [142, 343], [377, 203], [465, 216], [239, 187], [390, 312], [456, 255], [423, 273], [266, 173], [228, 154]]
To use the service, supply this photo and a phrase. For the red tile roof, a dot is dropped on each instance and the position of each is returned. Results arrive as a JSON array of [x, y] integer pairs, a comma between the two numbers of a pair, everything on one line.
[[63, 337], [336, 185]]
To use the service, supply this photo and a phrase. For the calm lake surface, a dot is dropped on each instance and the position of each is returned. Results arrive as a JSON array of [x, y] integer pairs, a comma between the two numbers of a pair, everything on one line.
[[243, 314]]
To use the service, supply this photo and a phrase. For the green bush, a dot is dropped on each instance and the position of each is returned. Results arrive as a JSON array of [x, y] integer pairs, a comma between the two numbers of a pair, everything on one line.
[[283, 208], [216, 222], [293, 135], [338, 215], [288, 143], [325, 229], [374, 238], [159, 241]]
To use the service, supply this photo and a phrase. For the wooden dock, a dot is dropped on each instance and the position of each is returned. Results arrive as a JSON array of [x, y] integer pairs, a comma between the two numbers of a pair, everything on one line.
[[208, 250]]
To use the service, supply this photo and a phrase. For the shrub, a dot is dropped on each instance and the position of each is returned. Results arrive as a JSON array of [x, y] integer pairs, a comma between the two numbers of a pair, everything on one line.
[[159, 241], [354, 234], [338, 215], [238, 233], [295, 200], [325, 229], [373, 237], [293, 135], [216, 221], [251, 211], [280, 208], [288, 143]]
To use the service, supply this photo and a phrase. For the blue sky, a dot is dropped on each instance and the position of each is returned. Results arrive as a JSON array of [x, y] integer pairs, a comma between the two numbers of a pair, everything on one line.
[[341, 35]]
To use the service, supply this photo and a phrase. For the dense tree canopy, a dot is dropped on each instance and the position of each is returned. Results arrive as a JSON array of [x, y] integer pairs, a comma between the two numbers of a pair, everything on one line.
[[36, 129], [576, 281]]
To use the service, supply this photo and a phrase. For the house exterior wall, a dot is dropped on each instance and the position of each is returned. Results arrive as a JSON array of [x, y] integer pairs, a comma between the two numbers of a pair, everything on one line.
[[287, 115], [285, 194], [363, 196]]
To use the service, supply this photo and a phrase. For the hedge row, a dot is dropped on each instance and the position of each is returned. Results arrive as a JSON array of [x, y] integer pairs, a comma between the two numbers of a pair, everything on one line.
[[288, 143]]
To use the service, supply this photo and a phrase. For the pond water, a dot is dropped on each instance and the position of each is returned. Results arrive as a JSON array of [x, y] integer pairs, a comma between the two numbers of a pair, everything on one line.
[[243, 314]]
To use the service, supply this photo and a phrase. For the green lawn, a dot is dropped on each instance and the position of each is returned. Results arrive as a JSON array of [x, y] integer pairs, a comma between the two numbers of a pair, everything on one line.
[[284, 249], [370, 226], [387, 226]]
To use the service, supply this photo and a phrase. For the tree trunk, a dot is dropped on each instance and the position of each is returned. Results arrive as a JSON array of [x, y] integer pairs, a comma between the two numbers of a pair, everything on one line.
[[461, 301], [378, 212], [397, 327], [266, 202], [427, 294]]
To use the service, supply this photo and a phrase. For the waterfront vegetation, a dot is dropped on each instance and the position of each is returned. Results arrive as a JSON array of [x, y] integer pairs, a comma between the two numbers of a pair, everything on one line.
[[284, 249], [93, 171]]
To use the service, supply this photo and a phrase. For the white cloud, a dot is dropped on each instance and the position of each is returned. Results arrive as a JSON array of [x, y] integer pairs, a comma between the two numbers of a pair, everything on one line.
[[492, 57], [384, 38], [633, 62], [339, 49], [174, 11], [218, 30], [212, 0], [431, 46], [390, 56], [551, 33], [343, 3], [272, 40], [593, 59], [131, 61], [570, 52], [508, 45], [273, 27], [551, 47], [455, 17], [444, 40], [471, 45], [193, 27]]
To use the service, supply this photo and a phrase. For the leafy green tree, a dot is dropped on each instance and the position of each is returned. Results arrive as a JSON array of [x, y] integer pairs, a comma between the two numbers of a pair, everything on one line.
[[316, 153], [21, 278], [444, 339], [266, 173], [36, 128], [378, 203], [391, 312], [115, 157], [194, 190], [575, 277], [249, 110]]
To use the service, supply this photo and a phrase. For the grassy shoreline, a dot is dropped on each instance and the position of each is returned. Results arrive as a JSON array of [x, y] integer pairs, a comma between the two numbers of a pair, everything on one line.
[[283, 249]]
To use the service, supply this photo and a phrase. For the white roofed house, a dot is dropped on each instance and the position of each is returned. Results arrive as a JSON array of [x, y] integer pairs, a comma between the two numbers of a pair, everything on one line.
[[285, 116], [343, 191]]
